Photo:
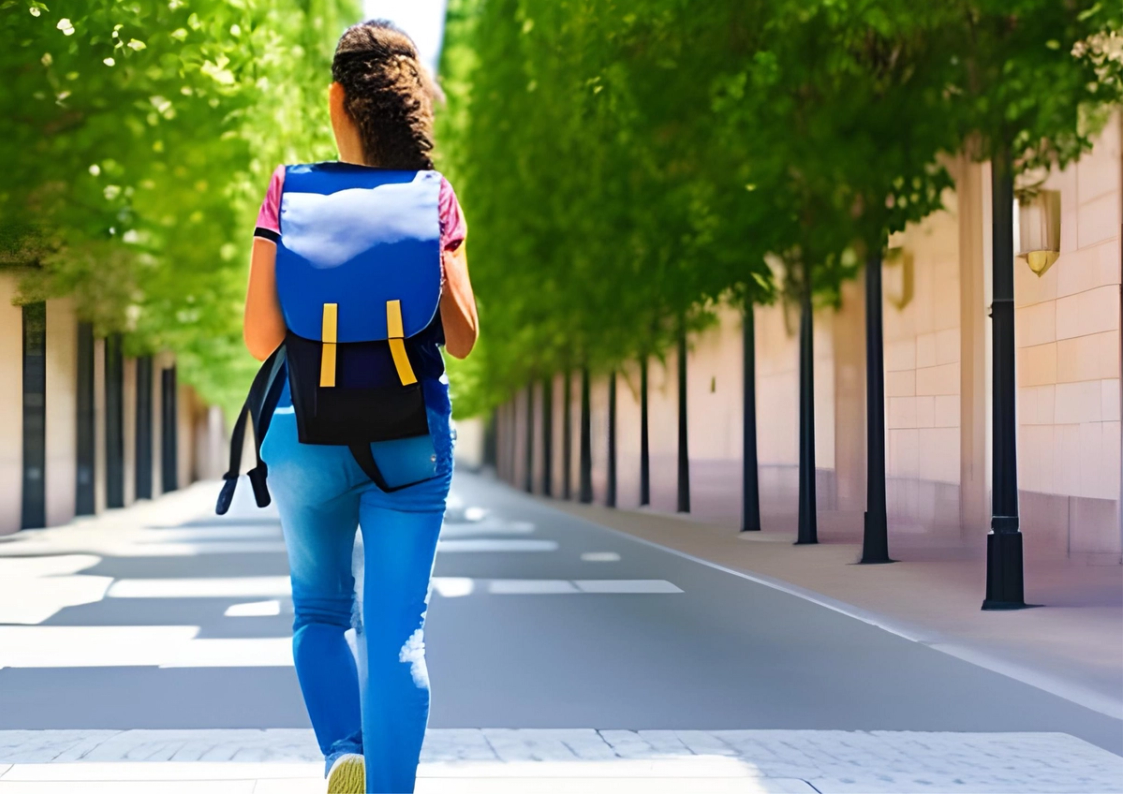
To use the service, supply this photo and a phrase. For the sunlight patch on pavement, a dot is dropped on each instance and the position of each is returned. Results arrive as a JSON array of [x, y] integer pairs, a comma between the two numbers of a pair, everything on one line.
[[600, 556], [135, 646], [90, 646], [238, 652], [132, 541], [626, 586], [474, 513], [254, 609], [33, 590], [458, 587], [462, 530], [453, 586], [530, 587], [239, 587], [475, 546], [194, 534]]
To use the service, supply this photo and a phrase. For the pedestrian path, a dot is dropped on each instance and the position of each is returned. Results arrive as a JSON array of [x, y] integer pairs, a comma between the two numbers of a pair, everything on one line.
[[149, 650], [498, 760]]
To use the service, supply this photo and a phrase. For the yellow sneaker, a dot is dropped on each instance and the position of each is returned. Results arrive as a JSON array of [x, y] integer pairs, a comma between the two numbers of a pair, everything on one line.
[[347, 775]]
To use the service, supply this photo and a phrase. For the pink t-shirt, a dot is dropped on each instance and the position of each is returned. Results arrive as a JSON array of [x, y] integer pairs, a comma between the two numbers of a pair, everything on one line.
[[453, 227]]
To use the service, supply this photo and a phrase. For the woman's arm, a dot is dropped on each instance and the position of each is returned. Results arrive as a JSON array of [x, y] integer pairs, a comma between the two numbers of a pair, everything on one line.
[[264, 324], [458, 305]]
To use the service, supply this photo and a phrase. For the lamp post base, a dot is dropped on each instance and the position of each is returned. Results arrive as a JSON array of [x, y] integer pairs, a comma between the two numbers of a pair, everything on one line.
[[875, 541], [1005, 582]]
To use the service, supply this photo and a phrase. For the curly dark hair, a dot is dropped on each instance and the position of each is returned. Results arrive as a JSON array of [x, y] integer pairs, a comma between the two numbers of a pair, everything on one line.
[[388, 94]]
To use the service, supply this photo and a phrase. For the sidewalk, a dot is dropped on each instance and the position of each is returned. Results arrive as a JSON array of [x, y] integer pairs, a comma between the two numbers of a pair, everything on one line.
[[503, 761], [1072, 646]]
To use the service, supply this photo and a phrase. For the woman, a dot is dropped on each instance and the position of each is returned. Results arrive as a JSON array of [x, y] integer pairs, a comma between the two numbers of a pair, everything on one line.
[[381, 112]]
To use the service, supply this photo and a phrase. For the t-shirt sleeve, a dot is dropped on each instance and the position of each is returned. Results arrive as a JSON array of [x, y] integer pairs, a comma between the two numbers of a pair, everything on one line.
[[269, 216], [454, 229]]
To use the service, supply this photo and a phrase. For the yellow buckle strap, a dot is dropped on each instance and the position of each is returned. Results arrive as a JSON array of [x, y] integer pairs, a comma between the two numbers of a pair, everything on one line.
[[329, 335], [395, 334]]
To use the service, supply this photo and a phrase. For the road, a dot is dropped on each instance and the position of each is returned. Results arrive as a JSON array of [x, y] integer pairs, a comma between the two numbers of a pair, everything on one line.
[[539, 620]]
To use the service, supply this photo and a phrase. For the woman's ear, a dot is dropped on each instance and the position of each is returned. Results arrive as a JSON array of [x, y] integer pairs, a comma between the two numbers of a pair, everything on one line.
[[336, 99]]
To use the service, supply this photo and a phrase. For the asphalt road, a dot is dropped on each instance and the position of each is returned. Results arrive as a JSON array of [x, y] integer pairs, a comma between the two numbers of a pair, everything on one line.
[[539, 620]]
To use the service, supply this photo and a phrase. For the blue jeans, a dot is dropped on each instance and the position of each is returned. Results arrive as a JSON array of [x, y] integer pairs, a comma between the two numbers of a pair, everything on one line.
[[379, 705]]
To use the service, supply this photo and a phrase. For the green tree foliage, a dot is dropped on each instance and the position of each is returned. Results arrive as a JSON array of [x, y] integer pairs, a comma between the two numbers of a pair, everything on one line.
[[625, 164], [137, 139]]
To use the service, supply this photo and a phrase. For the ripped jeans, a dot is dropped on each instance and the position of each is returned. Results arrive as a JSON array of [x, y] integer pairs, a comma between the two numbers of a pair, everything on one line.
[[377, 705]]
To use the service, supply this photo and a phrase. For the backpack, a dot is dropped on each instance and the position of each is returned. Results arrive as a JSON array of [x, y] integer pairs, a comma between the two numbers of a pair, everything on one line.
[[358, 275]]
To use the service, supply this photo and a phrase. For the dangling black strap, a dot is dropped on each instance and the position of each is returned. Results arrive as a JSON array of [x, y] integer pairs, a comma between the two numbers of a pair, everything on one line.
[[363, 456], [258, 408]]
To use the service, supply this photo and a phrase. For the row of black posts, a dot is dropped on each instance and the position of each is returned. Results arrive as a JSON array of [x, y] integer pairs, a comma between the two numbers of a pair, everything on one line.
[[33, 507], [1004, 578]]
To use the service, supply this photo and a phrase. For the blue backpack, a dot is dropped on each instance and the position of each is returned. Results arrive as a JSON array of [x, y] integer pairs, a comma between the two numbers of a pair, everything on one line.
[[359, 279]]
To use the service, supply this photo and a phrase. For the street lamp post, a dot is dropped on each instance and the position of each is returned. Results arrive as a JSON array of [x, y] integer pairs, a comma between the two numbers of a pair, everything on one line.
[[610, 486], [548, 436], [683, 502], [644, 445], [567, 436], [586, 462], [808, 524], [750, 482], [1005, 583], [528, 477], [875, 540]]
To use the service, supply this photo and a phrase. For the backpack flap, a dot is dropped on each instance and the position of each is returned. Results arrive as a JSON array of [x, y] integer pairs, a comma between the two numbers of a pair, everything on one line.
[[359, 238], [358, 275]]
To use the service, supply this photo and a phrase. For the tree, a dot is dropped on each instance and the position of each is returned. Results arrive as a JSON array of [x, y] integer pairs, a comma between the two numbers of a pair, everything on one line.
[[137, 141]]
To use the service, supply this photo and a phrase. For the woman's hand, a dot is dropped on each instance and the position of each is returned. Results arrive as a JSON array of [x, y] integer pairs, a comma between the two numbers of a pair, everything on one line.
[[264, 324], [458, 305]]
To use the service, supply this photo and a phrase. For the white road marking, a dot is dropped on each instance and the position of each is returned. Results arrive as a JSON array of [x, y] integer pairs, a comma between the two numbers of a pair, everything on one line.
[[600, 556]]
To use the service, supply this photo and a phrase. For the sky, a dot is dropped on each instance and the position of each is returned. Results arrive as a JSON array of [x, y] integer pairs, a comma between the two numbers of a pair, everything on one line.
[[423, 20]]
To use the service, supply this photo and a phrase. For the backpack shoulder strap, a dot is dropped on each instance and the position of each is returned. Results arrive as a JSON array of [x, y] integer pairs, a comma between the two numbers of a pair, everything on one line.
[[258, 408]]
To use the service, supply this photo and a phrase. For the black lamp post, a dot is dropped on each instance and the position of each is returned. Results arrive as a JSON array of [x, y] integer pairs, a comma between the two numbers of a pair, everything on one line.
[[548, 436], [528, 477], [683, 504], [750, 481], [567, 437], [610, 486], [1005, 582], [585, 493], [875, 541], [644, 445], [808, 524]]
